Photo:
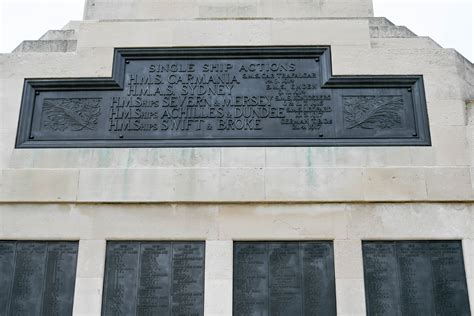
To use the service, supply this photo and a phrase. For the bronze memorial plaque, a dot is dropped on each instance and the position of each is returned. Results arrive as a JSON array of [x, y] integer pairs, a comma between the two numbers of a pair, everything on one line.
[[226, 96], [415, 278], [37, 278], [154, 278], [284, 278]]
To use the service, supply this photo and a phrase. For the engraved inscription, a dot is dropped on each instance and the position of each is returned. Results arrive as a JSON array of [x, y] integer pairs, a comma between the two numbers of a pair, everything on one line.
[[199, 96], [75, 114], [371, 112], [415, 278], [37, 278], [284, 278], [154, 278], [259, 96]]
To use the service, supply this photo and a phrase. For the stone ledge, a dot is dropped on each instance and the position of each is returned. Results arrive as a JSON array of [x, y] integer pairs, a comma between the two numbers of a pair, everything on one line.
[[236, 185], [46, 46], [231, 32], [139, 9]]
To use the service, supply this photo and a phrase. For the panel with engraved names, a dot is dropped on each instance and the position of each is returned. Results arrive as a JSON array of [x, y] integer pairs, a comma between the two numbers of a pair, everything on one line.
[[415, 278], [284, 278], [154, 278], [37, 278]]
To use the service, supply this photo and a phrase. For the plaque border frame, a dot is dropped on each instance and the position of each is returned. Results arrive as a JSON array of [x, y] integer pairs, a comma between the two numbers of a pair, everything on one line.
[[122, 56]]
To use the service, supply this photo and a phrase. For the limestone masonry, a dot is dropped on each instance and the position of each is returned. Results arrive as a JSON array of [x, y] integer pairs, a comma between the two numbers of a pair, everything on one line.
[[226, 195]]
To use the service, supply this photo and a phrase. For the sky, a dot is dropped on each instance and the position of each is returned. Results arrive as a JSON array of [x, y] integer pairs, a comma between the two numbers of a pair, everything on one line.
[[448, 22]]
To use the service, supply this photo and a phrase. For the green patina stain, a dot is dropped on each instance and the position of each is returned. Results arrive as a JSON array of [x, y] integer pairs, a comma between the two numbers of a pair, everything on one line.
[[125, 186], [310, 173], [104, 158], [129, 159]]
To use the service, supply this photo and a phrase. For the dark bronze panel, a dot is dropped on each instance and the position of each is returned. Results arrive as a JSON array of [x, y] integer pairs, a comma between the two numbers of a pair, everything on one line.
[[284, 278], [252, 96], [154, 278], [37, 278], [415, 278]]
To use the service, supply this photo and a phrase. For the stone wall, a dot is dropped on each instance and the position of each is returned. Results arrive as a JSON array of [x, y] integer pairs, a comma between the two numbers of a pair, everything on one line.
[[346, 224], [258, 174], [345, 194]]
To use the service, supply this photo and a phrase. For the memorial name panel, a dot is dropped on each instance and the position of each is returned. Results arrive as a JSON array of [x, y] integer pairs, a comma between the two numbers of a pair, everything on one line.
[[154, 278], [284, 278], [37, 278], [415, 278], [223, 97]]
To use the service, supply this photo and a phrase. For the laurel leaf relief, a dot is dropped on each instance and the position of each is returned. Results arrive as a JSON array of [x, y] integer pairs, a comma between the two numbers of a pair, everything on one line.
[[370, 112], [74, 114]]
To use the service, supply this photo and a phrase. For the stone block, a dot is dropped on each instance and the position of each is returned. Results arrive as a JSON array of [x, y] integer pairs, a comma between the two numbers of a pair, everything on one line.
[[206, 9], [449, 184], [125, 34], [228, 10], [348, 259], [396, 184], [450, 145], [292, 222], [71, 158], [218, 297], [315, 157], [355, 157], [152, 221], [45, 221], [422, 156], [242, 157], [309, 184], [222, 33], [10, 98], [468, 252], [39, 185], [173, 158], [471, 292], [148, 184], [409, 221], [91, 258], [301, 157], [391, 31], [219, 254], [218, 283], [432, 64], [388, 156], [183, 184], [296, 157], [54, 35], [88, 297], [350, 296], [46, 46], [423, 42], [447, 112], [240, 184], [7, 145], [92, 62], [335, 32]]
